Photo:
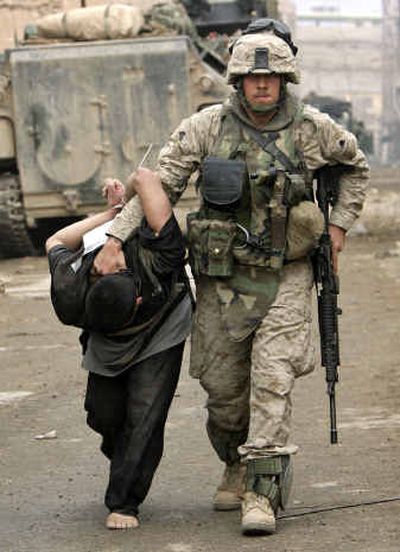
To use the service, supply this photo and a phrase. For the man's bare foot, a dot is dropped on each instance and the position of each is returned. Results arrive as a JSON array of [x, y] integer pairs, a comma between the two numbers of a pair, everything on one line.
[[121, 521]]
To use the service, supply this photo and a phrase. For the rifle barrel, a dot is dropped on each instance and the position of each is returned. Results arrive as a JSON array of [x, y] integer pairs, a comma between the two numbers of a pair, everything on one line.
[[332, 406]]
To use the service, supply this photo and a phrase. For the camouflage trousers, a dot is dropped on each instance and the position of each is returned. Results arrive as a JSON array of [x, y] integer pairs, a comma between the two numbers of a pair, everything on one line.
[[249, 383]]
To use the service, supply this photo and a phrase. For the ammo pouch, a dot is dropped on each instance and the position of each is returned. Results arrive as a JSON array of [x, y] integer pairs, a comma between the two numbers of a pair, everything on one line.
[[210, 245], [222, 182]]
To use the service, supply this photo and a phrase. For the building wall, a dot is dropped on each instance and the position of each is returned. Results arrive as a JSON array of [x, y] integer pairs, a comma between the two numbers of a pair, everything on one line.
[[391, 83], [342, 57], [287, 9]]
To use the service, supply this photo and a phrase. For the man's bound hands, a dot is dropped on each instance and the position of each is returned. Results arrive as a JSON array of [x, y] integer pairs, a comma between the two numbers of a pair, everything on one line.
[[114, 192]]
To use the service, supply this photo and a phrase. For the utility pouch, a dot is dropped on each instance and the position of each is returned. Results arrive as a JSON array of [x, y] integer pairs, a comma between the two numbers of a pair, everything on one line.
[[210, 246], [222, 182], [295, 189]]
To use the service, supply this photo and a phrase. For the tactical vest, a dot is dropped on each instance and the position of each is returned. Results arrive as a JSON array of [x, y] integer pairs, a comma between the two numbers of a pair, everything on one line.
[[248, 184], [238, 236]]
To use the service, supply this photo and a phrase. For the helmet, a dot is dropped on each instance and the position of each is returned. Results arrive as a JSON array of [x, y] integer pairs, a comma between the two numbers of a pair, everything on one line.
[[262, 53]]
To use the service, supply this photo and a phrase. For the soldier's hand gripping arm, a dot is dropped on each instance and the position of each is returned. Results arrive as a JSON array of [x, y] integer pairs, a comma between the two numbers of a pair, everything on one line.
[[178, 159]]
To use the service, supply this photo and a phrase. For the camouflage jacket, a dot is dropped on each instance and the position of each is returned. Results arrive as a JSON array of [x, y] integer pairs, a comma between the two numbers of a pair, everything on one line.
[[317, 137]]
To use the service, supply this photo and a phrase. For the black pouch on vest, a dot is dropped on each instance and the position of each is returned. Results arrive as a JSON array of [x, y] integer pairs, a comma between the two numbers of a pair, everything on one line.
[[222, 182]]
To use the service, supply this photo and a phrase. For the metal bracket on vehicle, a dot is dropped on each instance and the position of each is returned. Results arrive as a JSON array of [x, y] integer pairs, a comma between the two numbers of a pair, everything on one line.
[[72, 200]]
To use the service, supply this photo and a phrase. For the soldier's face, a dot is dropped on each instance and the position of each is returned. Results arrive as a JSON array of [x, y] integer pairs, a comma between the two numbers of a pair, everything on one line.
[[262, 90]]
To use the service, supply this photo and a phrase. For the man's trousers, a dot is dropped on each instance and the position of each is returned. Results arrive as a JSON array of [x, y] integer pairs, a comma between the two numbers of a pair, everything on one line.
[[129, 411]]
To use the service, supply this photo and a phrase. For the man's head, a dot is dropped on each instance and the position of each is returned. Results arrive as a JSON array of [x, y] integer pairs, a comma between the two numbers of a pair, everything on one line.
[[262, 62], [111, 302]]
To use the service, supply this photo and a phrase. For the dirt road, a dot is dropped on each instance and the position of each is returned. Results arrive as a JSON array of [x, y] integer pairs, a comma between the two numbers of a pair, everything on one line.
[[52, 489]]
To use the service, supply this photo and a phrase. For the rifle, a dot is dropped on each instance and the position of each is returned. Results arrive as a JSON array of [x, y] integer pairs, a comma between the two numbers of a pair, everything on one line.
[[327, 285]]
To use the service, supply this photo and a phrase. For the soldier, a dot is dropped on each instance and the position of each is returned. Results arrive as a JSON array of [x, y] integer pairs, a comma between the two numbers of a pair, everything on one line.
[[250, 246]]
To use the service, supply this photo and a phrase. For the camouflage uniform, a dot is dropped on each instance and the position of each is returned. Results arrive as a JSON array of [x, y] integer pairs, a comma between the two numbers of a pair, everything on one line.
[[252, 331]]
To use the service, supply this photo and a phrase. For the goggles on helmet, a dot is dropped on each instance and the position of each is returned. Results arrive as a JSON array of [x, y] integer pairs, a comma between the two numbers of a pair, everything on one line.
[[277, 27]]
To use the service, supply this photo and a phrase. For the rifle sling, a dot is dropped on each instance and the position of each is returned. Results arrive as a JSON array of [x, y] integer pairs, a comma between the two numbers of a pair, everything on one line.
[[268, 144]]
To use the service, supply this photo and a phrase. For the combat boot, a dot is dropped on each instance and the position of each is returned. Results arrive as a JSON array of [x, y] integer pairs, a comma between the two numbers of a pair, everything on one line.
[[268, 483], [230, 492], [258, 517]]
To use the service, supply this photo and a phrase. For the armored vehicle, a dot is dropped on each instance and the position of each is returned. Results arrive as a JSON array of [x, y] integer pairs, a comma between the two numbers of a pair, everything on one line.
[[225, 16], [74, 110]]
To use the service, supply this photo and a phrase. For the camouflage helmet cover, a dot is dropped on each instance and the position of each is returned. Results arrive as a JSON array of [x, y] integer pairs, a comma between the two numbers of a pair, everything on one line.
[[274, 56]]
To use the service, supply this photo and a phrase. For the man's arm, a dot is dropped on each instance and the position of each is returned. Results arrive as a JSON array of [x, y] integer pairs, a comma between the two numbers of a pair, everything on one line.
[[155, 203], [71, 236]]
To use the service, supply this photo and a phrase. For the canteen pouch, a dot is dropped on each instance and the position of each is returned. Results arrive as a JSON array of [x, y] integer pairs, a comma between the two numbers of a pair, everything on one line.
[[295, 189], [210, 246], [222, 182]]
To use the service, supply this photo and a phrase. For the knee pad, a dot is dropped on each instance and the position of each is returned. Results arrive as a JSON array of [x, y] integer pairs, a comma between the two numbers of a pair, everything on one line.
[[271, 477]]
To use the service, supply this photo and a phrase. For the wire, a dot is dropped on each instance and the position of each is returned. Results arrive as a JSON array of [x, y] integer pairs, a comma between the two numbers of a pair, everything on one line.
[[317, 510]]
